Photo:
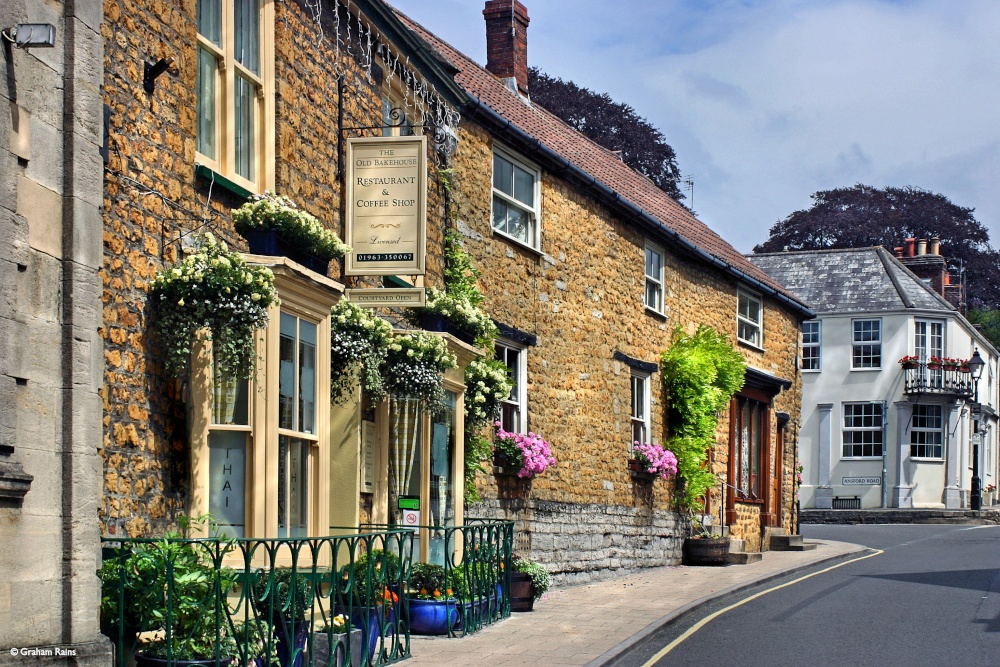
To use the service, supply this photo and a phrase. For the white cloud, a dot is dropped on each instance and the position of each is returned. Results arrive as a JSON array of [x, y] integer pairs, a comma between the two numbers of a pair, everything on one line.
[[767, 102]]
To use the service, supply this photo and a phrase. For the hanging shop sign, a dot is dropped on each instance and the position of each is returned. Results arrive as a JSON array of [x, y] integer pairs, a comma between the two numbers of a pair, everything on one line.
[[387, 297], [386, 205]]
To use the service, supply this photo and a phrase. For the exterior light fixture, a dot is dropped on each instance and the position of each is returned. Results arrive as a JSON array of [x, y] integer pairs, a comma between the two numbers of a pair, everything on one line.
[[24, 35], [976, 365]]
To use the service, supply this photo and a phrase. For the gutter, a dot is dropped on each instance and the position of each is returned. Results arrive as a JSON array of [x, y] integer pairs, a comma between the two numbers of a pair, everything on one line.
[[476, 109]]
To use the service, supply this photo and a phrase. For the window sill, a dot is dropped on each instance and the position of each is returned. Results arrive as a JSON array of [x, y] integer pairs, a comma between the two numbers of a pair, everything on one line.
[[220, 181], [866, 369], [656, 313], [749, 501], [752, 346], [861, 458], [927, 459], [811, 370], [519, 243]]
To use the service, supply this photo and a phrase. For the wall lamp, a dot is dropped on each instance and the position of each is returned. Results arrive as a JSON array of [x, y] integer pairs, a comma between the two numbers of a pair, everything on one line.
[[24, 35], [152, 70]]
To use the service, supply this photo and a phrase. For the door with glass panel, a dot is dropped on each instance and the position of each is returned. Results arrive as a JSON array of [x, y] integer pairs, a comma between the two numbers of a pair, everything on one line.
[[421, 485], [928, 341]]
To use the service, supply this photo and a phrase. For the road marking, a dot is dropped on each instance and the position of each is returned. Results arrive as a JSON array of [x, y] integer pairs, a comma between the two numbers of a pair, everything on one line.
[[705, 621]]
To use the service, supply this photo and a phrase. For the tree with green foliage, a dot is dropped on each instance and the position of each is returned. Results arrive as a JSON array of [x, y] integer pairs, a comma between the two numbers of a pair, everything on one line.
[[989, 323], [611, 124], [701, 372], [862, 215]]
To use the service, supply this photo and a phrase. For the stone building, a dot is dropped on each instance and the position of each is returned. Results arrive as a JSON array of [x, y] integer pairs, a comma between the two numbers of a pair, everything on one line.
[[588, 274], [587, 269], [50, 352]]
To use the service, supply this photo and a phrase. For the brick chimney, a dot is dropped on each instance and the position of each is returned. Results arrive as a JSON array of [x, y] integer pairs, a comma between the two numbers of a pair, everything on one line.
[[507, 42]]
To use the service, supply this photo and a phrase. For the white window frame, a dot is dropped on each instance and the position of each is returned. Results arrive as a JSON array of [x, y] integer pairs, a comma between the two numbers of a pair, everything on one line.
[[919, 430], [653, 281], [863, 342], [743, 320], [518, 400], [227, 70], [639, 404], [533, 240], [877, 410], [812, 341]]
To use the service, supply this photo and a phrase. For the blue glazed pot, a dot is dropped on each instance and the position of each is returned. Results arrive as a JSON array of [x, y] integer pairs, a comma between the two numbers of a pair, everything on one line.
[[433, 617]]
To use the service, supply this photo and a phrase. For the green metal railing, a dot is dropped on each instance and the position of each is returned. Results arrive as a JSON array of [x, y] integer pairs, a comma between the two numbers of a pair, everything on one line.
[[324, 601], [477, 559]]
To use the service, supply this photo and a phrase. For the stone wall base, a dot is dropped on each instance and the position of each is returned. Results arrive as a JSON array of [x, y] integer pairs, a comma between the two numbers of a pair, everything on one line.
[[580, 543], [85, 654]]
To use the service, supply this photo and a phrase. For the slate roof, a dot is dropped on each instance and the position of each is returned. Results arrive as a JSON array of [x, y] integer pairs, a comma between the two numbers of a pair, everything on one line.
[[599, 163], [850, 280]]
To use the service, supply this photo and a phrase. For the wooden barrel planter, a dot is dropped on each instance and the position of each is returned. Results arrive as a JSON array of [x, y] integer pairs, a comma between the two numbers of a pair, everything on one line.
[[713, 551], [522, 592]]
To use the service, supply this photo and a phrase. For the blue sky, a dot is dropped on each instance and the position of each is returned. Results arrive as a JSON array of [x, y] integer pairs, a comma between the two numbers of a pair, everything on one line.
[[766, 102]]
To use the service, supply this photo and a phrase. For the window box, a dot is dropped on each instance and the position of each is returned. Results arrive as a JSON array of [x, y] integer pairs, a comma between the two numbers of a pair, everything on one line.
[[269, 243], [438, 322], [638, 471]]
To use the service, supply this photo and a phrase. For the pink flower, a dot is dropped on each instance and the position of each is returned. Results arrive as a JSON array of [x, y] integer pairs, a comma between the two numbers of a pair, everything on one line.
[[655, 458]]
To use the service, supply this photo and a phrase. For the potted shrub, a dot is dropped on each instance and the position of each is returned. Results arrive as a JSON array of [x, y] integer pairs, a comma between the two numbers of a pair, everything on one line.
[[284, 596], [529, 581], [336, 634], [433, 608], [521, 454], [273, 225], [216, 292], [186, 611], [371, 585], [650, 460]]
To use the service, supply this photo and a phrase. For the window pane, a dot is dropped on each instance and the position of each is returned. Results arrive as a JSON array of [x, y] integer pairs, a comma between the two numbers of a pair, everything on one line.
[[286, 372], [246, 18], [524, 187], [227, 480], [210, 20], [246, 111], [500, 215], [307, 377], [293, 466], [205, 105], [654, 264], [653, 295], [503, 175], [517, 224]]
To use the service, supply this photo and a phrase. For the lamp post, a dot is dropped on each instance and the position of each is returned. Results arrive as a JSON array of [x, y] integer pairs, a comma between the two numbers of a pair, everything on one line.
[[976, 365]]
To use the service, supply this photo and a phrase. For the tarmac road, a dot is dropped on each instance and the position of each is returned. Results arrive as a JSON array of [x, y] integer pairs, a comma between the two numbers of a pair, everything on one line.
[[925, 595]]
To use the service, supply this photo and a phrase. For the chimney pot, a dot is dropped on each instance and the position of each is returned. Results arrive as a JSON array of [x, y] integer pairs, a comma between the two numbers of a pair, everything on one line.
[[935, 247], [922, 247], [909, 244], [898, 250], [507, 41]]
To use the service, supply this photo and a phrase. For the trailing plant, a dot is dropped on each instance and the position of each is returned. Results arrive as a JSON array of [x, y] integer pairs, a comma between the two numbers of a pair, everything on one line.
[[460, 310], [701, 372], [655, 459], [359, 343], [487, 386], [216, 291], [414, 364], [528, 452], [540, 578], [301, 229]]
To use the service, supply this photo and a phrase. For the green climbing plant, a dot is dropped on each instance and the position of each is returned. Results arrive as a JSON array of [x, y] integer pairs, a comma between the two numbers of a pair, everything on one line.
[[701, 372]]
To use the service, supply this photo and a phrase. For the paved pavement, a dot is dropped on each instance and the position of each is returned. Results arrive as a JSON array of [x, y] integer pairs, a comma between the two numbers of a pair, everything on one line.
[[589, 625]]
